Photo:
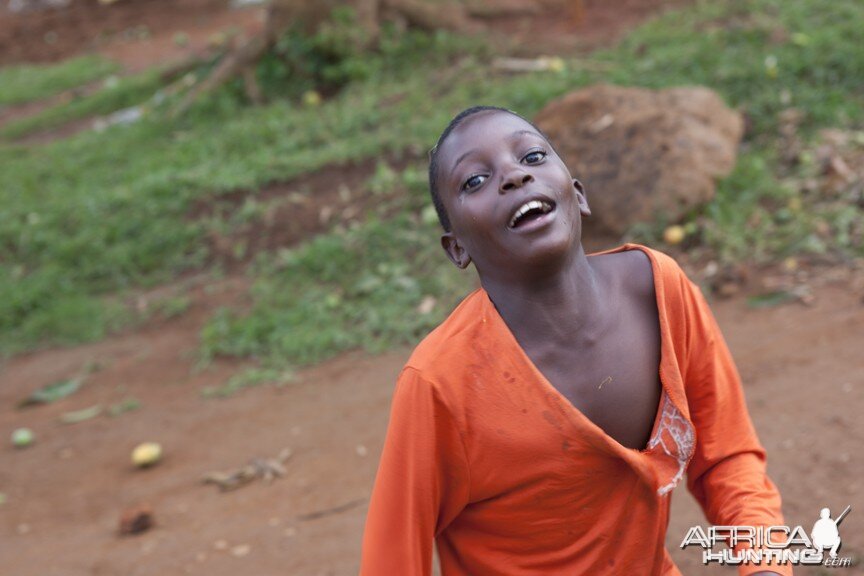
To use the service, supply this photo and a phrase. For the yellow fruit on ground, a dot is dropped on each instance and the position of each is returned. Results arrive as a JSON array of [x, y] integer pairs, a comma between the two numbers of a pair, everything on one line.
[[674, 234], [146, 454], [556, 64], [311, 98]]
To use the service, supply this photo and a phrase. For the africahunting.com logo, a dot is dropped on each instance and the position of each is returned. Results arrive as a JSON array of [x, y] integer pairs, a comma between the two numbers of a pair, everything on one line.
[[769, 545]]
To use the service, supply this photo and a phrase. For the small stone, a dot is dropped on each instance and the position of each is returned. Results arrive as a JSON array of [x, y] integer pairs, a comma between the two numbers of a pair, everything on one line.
[[361, 450], [728, 289], [426, 305], [274, 522], [290, 531], [241, 550], [136, 520], [220, 545], [23, 528]]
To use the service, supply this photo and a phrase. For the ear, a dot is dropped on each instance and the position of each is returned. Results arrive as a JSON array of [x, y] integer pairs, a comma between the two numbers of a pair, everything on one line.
[[581, 198], [455, 251]]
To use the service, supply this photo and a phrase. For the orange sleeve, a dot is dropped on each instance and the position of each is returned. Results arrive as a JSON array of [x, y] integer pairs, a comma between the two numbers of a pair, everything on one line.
[[422, 482], [727, 474]]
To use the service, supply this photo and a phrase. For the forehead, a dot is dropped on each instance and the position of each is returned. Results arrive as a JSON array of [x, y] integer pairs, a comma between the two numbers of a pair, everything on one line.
[[483, 131]]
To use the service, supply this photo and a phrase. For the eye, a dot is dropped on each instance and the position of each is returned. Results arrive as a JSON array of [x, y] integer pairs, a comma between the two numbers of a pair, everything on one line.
[[473, 182], [534, 157]]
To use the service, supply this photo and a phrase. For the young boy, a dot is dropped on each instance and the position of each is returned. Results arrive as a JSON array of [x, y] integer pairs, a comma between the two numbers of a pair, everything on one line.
[[541, 428]]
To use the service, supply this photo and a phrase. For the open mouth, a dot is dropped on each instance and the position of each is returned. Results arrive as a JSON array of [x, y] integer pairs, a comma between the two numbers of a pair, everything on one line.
[[530, 211]]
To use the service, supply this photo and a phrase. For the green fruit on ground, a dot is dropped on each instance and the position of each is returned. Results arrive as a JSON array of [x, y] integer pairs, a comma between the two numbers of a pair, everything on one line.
[[22, 437]]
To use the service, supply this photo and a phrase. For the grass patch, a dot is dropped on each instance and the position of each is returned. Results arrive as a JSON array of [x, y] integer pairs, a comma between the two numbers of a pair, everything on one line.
[[763, 56], [247, 379], [349, 289], [100, 213], [116, 94], [20, 84]]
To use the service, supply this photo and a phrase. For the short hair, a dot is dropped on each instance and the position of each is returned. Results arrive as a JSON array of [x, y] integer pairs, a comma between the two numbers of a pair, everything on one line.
[[458, 120]]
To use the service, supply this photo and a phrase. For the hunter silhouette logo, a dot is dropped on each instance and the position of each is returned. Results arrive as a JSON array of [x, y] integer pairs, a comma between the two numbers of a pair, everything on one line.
[[826, 533], [772, 545]]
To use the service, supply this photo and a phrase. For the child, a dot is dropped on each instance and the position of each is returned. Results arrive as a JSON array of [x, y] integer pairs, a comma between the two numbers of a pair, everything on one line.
[[541, 428]]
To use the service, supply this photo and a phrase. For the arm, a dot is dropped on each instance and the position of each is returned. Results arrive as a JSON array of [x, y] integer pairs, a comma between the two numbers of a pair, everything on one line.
[[422, 482], [727, 473]]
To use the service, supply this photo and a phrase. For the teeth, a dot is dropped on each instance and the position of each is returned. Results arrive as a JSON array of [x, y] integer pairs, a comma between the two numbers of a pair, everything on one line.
[[527, 207]]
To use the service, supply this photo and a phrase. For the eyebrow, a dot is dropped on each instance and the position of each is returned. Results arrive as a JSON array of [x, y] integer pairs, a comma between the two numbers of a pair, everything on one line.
[[513, 135]]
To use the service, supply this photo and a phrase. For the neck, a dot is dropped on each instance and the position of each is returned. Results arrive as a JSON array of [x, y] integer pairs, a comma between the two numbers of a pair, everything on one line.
[[563, 305]]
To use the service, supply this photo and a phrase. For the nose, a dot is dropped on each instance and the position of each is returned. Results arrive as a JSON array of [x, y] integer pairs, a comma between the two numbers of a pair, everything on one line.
[[514, 179]]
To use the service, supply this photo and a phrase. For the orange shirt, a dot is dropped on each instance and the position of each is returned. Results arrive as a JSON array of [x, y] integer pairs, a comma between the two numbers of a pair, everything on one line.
[[487, 458]]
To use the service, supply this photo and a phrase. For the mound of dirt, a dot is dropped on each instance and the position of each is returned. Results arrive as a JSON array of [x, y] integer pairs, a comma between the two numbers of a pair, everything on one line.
[[643, 154]]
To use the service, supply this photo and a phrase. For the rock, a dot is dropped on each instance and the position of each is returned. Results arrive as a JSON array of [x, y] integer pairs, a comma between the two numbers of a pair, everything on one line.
[[136, 520], [643, 154], [241, 550], [220, 545]]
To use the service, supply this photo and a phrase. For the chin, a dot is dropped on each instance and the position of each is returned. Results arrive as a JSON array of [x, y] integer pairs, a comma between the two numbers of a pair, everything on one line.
[[547, 252]]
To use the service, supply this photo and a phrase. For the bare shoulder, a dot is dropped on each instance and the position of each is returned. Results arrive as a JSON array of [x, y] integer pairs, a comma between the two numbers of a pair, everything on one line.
[[639, 273], [631, 272]]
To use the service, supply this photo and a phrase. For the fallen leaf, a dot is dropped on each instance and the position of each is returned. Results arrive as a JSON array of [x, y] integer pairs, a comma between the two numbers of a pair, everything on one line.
[[124, 406], [770, 299], [77, 416], [52, 392]]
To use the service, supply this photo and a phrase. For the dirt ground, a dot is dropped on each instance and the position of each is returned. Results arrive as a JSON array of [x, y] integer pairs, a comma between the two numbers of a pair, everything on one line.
[[802, 367], [138, 34], [142, 33]]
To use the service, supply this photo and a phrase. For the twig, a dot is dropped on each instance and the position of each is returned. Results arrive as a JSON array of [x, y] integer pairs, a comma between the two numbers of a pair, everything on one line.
[[330, 511]]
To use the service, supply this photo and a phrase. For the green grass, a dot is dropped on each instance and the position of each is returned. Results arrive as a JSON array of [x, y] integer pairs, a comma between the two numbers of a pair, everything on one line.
[[354, 288], [99, 214], [19, 84], [754, 52], [116, 95]]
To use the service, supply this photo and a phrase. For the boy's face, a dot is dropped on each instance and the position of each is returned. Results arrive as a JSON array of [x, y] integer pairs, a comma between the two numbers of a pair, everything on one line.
[[512, 202]]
